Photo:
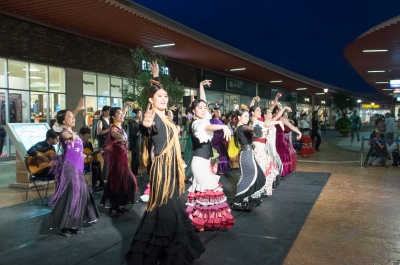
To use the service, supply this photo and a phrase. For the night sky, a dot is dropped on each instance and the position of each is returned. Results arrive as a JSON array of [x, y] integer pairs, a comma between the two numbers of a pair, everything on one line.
[[307, 37]]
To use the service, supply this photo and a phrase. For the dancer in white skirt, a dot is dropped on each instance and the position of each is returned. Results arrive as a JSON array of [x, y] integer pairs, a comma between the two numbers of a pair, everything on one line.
[[207, 207]]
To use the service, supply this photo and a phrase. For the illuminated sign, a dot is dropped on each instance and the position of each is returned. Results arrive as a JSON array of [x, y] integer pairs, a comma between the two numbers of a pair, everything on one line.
[[394, 83], [306, 99], [396, 90], [163, 69], [323, 102], [370, 106]]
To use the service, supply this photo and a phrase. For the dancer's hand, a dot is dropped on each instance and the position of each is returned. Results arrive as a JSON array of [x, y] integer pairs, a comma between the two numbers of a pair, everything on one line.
[[206, 82], [148, 119], [298, 137], [154, 68], [288, 108], [227, 133]]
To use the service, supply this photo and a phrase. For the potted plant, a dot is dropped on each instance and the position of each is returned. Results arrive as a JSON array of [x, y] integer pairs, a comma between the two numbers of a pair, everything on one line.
[[343, 125], [345, 131]]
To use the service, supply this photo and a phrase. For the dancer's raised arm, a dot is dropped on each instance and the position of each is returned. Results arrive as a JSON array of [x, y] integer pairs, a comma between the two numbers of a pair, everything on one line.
[[288, 124], [202, 93], [256, 98], [279, 114]]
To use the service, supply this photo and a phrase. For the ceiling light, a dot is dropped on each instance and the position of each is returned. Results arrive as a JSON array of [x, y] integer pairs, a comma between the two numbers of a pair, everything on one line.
[[359, 101], [163, 45], [276, 81], [35, 77], [325, 90], [237, 69], [387, 89], [381, 82], [376, 71], [31, 69], [301, 88], [319, 93], [375, 50]]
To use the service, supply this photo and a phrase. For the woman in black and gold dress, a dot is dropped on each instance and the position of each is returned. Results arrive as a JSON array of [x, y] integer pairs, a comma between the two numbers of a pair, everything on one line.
[[165, 234]]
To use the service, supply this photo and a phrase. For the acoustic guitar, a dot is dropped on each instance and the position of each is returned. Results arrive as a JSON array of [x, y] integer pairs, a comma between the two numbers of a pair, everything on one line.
[[89, 152], [37, 165]]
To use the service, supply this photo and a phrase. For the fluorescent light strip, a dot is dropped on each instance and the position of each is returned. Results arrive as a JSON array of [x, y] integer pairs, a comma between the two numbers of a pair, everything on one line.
[[375, 50], [301, 88], [387, 89], [237, 69], [381, 82], [376, 71], [163, 45], [319, 93], [276, 81]]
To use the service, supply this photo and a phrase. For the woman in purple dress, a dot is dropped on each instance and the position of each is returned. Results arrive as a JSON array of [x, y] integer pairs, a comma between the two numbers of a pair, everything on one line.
[[281, 145], [218, 143], [72, 202]]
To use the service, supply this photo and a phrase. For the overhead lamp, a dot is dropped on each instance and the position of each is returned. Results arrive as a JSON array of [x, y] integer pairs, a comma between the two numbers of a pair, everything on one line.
[[381, 82], [31, 69], [375, 50], [237, 69], [319, 93], [325, 90], [387, 89], [359, 101], [301, 88], [376, 71], [163, 45], [276, 81], [35, 77], [372, 103]]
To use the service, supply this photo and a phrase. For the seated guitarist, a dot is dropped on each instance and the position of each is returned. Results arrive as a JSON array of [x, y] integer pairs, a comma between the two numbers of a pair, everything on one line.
[[96, 165], [42, 147]]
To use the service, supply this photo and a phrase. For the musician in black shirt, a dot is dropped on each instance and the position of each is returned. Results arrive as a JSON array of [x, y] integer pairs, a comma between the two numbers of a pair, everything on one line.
[[96, 165], [39, 148]]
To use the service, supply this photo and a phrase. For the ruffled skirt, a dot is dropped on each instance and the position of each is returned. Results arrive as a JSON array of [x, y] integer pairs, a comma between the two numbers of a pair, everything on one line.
[[266, 164], [251, 185], [165, 235], [206, 206], [69, 211]]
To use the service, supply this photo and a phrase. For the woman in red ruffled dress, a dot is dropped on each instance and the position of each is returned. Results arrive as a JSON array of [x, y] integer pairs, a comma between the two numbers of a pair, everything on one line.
[[207, 207]]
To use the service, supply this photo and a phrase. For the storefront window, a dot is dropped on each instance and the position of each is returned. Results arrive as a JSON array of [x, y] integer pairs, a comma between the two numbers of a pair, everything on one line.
[[38, 107], [18, 74], [57, 103], [89, 84], [117, 102], [91, 104], [103, 86], [116, 85], [102, 101], [18, 106], [57, 79], [3, 72], [4, 145], [230, 100], [38, 77], [245, 100]]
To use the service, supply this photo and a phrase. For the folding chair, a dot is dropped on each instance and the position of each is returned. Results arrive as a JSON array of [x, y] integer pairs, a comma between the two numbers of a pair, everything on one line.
[[33, 179]]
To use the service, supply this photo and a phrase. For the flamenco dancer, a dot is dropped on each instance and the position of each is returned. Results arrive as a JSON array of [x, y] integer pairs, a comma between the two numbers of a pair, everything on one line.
[[219, 143], [281, 146], [266, 162], [121, 183], [288, 139], [207, 207], [251, 185], [72, 202], [165, 234]]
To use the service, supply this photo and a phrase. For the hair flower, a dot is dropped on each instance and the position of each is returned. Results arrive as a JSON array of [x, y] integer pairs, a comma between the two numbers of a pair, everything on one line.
[[57, 127], [244, 107]]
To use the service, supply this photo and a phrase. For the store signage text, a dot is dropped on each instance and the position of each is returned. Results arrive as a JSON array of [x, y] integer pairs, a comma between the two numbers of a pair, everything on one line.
[[118, 86], [370, 106], [88, 83], [163, 69]]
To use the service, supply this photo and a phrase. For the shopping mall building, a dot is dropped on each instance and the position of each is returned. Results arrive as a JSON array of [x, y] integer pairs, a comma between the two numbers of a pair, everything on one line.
[[49, 60]]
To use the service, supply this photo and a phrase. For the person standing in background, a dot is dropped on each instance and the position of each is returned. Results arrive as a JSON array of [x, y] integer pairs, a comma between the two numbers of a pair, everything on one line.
[[103, 126], [355, 125], [389, 125], [134, 140], [219, 143]]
